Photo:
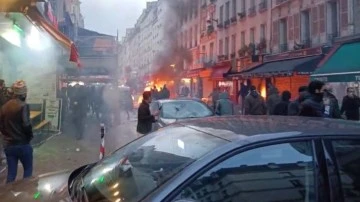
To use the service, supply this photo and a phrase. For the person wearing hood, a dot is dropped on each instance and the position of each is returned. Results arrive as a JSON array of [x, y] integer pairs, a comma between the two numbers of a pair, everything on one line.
[[254, 103], [313, 106], [273, 99], [224, 106], [294, 107], [281, 108]]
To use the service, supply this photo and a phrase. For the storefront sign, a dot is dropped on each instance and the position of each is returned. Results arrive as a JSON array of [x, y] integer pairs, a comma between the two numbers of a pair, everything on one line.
[[294, 54], [338, 78], [53, 113]]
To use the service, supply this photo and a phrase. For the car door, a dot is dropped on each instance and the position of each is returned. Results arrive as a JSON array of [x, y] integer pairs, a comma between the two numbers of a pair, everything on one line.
[[277, 171], [343, 160]]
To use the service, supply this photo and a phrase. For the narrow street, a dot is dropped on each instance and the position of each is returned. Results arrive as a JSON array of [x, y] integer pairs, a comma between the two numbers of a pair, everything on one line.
[[60, 152]]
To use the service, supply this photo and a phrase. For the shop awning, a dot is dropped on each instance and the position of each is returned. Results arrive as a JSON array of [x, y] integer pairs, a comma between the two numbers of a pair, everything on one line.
[[193, 73], [218, 72], [35, 16], [342, 66], [304, 65]]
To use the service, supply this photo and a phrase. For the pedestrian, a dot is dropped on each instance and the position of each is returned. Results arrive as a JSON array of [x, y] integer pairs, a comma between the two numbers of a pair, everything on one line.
[[79, 110], [313, 106], [273, 99], [17, 132], [294, 107], [224, 105], [242, 94], [165, 92], [331, 104], [254, 103], [214, 97], [281, 108], [350, 105], [145, 118]]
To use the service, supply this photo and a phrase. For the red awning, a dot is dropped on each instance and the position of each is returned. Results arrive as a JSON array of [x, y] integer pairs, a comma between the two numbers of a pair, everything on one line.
[[35, 16], [218, 73], [193, 73]]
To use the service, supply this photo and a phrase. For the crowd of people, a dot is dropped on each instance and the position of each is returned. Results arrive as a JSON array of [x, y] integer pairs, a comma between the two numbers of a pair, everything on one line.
[[315, 100], [106, 103]]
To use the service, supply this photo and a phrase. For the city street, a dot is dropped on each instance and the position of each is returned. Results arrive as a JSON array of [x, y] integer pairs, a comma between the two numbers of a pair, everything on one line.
[[60, 152]]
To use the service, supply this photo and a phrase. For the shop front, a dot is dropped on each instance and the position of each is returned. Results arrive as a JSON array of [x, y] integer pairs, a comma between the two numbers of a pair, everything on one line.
[[341, 68], [287, 71], [225, 84], [31, 52], [195, 83]]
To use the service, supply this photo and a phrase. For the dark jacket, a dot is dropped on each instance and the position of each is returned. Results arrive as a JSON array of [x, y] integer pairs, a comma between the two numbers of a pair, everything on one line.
[[281, 108], [224, 106], [312, 107], [351, 107], [294, 107], [145, 119], [331, 106], [254, 104], [273, 99], [15, 123]]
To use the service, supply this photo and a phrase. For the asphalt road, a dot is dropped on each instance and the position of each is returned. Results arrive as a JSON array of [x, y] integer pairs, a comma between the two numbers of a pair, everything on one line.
[[64, 152]]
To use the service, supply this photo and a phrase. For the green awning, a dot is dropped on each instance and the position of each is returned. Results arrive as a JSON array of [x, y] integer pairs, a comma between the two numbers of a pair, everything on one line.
[[343, 65]]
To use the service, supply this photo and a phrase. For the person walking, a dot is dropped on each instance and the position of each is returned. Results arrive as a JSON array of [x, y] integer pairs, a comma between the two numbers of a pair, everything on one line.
[[145, 118], [313, 106], [294, 107], [350, 105], [254, 103], [281, 108], [242, 94], [331, 104], [273, 99], [17, 132], [214, 97], [224, 105]]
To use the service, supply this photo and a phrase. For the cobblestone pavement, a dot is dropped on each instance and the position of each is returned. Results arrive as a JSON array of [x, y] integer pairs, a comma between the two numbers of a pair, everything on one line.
[[64, 152]]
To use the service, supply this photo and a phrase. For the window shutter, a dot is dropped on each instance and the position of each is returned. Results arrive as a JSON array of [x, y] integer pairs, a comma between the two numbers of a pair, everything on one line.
[[322, 18], [291, 28], [276, 32], [344, 13], [297, 26], [314, 19]]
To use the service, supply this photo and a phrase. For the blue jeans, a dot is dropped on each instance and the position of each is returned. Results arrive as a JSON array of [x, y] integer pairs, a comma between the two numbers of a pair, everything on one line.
[[24, 153]]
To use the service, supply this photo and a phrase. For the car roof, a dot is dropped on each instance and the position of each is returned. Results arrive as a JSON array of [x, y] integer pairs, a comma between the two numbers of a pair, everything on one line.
[[232, 128], [178, 99]]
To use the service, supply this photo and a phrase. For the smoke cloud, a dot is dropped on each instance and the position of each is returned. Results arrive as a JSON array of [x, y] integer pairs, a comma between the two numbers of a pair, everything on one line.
[[172, 53]]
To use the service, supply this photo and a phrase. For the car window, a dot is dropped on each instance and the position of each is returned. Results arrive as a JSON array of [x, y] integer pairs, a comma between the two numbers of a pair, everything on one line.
[[184, 109], [283, 172], [137, 169], [347, 153]]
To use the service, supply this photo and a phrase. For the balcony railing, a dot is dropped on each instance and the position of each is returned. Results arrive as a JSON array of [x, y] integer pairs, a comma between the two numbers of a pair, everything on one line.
[[252, 11], [242, 15], [284, 47], [278, 2], [306, 43]]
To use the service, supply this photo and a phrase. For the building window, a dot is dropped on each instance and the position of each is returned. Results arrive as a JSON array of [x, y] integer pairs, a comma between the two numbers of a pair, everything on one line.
[[227, 46], [203, 53], [305, 26], [262, 32], [252, 35], [191, 37], [234, 9], [221, 47], [221, 17], [242, 39], [332, 20], [243, 6], [196, 34], [211, 53], [227, 12], [283, 35], [233, 43]]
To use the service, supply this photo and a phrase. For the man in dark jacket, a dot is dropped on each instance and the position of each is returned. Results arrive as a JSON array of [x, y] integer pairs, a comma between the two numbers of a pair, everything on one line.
[[224, 105], [294, 107], [350, 105], [145, 118], [281, 108], [254, 103], [17, 132], [273, 99], [313, 106], [331, 104]]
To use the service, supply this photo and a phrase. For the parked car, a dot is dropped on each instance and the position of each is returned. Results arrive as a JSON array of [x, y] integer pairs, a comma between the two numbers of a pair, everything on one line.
[[172, 111], [217, 159]]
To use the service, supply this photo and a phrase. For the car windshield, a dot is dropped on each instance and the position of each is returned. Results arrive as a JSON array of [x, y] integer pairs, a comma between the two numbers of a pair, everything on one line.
[[140, 167], [184, 109]]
